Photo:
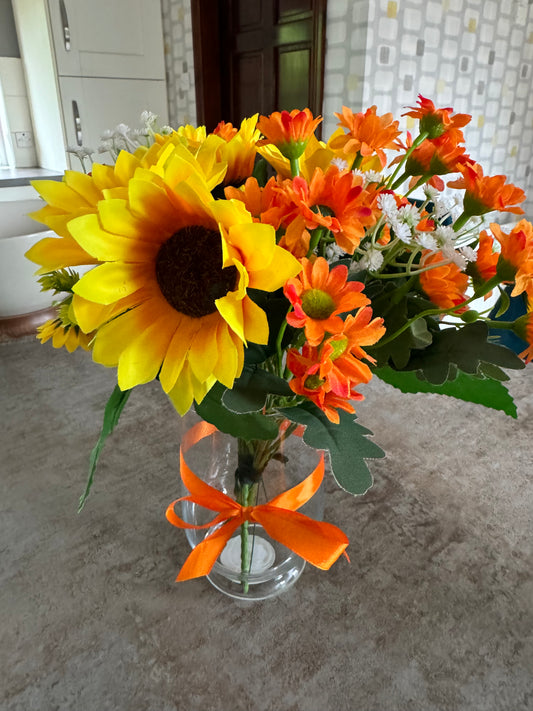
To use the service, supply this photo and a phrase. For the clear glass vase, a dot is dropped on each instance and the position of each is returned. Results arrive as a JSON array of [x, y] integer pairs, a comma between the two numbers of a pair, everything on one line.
[[269, 567]]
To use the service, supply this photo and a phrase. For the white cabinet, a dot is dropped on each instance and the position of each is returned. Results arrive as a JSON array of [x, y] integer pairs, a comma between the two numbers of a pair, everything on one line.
[[90, 106], [106, 56], [108, 38]]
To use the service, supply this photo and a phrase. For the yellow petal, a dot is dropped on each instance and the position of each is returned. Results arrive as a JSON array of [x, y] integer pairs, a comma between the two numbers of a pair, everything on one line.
[[84, 185], [177, 352], [141, 360], [203, 353], [255, 322], [228, 213], [230, 356], [59, 195], [90, 316], [282, 267], [105, 246], [230, 308], [116, 217], [125, 167], [182, 394], [112, 281], [256, 241], [114, 337], [58, 252], [150, 203]]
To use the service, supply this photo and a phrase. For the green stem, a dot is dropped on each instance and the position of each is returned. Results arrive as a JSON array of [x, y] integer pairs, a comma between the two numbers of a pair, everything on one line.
[[295, 167], [420, 139]]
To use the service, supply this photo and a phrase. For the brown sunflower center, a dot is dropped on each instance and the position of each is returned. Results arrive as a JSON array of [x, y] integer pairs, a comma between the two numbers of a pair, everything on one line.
[[189, 272]]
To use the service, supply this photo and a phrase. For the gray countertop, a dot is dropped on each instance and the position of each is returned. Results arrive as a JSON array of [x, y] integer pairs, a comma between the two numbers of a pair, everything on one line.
[[434, 612]]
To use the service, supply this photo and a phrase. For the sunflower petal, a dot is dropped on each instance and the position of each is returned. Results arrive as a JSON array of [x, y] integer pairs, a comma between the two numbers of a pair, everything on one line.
[[105, 246], [111, 281]]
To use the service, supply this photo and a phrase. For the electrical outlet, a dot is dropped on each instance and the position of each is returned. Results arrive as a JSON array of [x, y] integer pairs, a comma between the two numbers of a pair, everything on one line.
[[24, 139]]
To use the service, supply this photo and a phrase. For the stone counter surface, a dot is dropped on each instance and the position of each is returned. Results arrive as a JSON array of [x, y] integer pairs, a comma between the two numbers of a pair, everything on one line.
[[434, 612]]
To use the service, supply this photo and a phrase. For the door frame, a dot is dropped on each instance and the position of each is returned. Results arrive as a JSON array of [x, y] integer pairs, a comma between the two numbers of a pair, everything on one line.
[[206, 51]]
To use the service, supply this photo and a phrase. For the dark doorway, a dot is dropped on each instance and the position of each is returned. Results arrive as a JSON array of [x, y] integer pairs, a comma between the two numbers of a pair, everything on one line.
[[257, 56]]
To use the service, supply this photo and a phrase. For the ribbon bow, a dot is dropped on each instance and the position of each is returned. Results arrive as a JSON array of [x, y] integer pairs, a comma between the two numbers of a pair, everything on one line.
[[318, 542]]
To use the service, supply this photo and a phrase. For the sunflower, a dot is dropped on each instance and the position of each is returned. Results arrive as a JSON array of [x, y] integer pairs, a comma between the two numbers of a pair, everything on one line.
[[169, 295], [79, 194], [68, 336]]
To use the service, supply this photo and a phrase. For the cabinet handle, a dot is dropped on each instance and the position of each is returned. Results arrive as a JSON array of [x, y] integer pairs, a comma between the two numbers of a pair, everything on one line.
[[64, 22], [77, 123]]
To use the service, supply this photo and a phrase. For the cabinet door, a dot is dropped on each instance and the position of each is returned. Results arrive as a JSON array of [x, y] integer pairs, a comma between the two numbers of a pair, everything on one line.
[[103, 38], [92, 106]]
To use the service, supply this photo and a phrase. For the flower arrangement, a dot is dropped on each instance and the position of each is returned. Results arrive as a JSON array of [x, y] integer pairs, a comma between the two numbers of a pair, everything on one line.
[[262, 276]]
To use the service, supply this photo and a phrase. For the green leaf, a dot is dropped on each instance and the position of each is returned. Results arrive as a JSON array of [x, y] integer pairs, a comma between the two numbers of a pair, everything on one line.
[[112, 413], [504, 302], [346, 442], [420, 333], [471, 388], [467, 348], [247, 426], [250, 390]]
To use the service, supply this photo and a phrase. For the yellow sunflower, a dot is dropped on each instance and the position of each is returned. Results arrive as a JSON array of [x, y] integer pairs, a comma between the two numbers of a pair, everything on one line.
[[79, 194], [169, 295]]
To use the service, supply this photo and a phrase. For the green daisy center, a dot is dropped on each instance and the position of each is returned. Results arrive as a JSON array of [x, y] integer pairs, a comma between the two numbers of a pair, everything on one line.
[[318, 304], [188, 269]]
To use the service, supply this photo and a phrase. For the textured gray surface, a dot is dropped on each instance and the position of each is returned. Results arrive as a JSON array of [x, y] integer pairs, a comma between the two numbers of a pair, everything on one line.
[[435, 611]]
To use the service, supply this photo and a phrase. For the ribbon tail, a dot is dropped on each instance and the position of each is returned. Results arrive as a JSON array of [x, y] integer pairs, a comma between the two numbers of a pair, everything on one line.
[[317, 542], [203, 556]]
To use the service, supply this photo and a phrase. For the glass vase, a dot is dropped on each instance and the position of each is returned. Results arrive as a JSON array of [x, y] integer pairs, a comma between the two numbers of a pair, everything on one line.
[[268, 568]]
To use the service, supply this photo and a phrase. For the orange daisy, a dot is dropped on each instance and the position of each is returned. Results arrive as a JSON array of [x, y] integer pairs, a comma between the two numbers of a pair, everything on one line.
[[446, 284], [350, 208], [515, 262], [434, 158], [307, 382], [435, 122], [341, 364], [484, 193], [486, 258], [524, 328], [368, 134], [319, 295], [289, 132]]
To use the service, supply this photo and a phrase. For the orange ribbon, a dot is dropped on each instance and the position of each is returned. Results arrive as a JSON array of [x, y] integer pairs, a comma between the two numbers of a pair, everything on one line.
[[318, 542]]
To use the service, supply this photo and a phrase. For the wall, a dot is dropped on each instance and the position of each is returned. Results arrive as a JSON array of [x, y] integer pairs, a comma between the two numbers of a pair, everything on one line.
[[179, 61], [474, 55], [13, 89]]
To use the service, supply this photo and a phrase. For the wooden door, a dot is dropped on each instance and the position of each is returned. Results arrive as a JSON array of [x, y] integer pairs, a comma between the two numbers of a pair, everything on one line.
[[261, 56]]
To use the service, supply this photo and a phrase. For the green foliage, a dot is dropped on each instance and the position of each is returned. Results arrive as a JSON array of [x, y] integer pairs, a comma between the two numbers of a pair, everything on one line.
[[471, 388], [112, 412], [251, 389], [347, 444], [252, 425], [466, 348]]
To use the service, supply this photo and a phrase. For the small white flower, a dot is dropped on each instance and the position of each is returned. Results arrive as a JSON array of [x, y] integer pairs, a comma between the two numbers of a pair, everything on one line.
[[334, 252], [402, 231], [387, 205], [166, 130], [340, 163], [409, 215], [371, 260], [148, 118], [372, 176], [469, 254], [431, 193], [427, 240]]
